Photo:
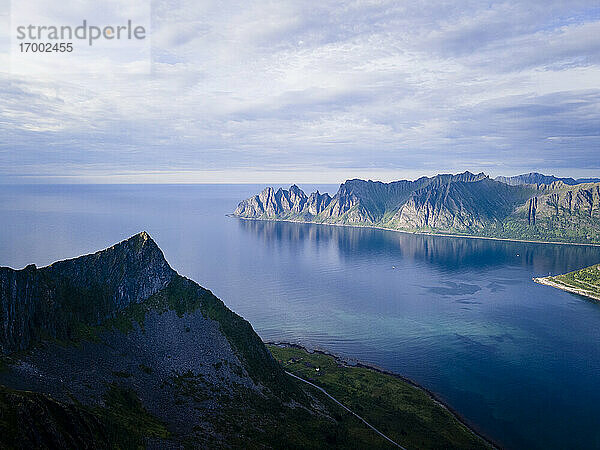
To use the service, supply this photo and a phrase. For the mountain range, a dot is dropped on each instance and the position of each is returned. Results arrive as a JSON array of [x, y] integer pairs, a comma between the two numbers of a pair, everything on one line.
[[117, 350], [526, 207]]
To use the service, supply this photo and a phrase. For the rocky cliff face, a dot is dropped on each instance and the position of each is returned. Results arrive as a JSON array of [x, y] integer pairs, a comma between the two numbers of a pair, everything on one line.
[[51, 301], [465, 206], [531, 206], [317, 203], [583, 199]]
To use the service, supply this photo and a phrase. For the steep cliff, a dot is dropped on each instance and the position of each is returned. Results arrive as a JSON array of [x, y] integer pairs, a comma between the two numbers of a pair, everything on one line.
[[292, 203], [121, 349], [271, 203], [560, 212]]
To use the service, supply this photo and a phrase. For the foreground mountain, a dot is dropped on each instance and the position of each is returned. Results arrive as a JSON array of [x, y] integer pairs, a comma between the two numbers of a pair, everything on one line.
[[48, 301], [463, 204], [116, 350]]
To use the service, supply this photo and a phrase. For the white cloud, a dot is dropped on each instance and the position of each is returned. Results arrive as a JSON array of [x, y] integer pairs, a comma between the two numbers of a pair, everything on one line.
[[373, 86]]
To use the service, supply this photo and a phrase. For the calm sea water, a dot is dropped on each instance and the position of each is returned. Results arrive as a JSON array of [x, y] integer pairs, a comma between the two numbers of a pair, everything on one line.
[[461, 317]]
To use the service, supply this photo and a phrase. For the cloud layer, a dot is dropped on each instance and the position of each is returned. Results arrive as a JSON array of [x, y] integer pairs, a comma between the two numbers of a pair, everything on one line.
[[298, 91]]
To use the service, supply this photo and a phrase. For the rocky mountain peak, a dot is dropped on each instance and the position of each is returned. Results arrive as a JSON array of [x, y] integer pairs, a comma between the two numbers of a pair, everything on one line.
[[53, 300], [469, 177], [294, 189]]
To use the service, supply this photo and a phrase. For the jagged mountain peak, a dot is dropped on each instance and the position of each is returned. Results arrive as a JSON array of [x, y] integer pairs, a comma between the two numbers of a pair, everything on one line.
[[137, 256], [141, 242], [295, 189], [143, 235], [472, 176], [465, 176], [154, 345]]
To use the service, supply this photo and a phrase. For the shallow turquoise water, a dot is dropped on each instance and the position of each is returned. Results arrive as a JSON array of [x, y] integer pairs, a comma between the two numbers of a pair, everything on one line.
[[462, 317]]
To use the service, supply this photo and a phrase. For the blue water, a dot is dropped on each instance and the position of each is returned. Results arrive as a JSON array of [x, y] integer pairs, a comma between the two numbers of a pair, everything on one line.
[[462, 317]]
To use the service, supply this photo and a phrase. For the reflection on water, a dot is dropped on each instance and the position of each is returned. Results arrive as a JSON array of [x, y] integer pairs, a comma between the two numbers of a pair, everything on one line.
[[448, 252], [460, 316]]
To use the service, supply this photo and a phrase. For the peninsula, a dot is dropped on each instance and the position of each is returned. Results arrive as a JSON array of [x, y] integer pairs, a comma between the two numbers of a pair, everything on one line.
[[584, 282]]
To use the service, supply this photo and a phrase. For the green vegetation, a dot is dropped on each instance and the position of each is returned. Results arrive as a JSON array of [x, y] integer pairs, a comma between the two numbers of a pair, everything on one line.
[[253, 421], [574, 227], [585, 281], [398, 409], [587, 278]]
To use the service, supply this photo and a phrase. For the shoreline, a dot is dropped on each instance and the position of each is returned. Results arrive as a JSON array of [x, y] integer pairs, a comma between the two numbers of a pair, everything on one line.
[[420, 233], [432, 395], [546, 281]]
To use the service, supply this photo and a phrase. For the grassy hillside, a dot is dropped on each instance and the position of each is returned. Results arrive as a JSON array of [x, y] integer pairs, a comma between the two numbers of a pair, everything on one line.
[[34, 420], [400, 410]]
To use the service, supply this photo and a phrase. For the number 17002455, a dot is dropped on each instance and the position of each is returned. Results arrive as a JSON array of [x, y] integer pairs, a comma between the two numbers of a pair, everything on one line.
[[45, 47]]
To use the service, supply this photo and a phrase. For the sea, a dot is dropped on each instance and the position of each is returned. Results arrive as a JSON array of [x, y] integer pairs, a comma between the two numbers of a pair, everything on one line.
[[520, 362]]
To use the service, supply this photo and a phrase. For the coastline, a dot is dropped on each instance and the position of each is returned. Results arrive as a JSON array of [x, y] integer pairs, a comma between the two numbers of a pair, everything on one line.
[[421, 233], [547, 281], [432, 395]]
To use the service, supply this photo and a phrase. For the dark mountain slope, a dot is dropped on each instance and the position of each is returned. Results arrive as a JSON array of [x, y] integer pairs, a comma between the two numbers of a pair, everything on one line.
[[121, 321], [54, 300], [181, 354], [32, 420]]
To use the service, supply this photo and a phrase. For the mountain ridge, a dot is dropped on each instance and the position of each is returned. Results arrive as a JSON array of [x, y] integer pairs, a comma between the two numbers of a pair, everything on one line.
[[33, 300], [461, 204], [539, 178]]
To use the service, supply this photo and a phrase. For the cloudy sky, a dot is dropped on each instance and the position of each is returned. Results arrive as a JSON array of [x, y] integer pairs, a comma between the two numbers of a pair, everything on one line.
[[303, 91]]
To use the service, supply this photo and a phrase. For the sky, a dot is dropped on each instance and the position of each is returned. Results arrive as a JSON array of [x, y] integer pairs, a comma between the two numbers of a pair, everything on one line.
[[309, 92]]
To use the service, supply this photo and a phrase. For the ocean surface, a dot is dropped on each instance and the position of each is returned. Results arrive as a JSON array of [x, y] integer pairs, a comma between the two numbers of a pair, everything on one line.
[[462, 317]]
